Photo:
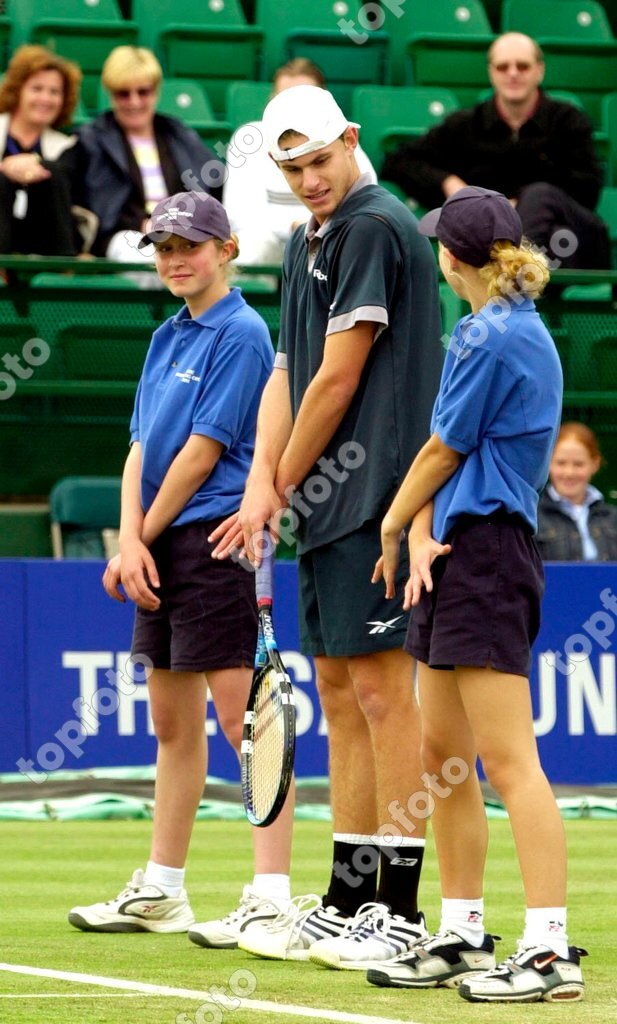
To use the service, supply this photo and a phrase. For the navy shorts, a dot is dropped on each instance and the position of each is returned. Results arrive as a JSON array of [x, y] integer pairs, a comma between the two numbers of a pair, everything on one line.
[[207, 618], [484, 608], [341, 612]]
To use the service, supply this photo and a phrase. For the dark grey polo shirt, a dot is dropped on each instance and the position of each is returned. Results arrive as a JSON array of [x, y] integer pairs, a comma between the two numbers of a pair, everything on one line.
[[365, 263]]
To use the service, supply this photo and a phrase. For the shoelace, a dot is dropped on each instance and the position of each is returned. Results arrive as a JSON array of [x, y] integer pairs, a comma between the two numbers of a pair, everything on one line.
[[370, 918], [247, 904], [511, 961], [136, 882], [428, 944], [299, 909]]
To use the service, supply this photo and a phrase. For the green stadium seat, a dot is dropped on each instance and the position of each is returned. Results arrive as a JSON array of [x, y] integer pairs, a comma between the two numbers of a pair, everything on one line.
[[24, 531], [312, 28], [80, 508], [246, 102], [82, 30], [442, 43], [208, 42], [607, 210], [579, 46], [609, 125], [390, 114], [5, 34]]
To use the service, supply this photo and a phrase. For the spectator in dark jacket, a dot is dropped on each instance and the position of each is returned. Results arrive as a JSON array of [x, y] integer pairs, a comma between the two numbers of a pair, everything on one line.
[[574, 522], [137, 157], [537, 151], [40, 167]]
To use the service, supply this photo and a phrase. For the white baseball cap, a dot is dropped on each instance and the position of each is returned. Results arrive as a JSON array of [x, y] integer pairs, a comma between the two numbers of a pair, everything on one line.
[[307, 110]]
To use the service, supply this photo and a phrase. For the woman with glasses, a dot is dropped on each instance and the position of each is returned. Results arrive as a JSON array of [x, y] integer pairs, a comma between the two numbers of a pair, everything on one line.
[[137, 157]]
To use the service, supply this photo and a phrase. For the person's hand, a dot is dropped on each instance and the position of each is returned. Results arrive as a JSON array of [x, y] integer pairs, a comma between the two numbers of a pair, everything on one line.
[[422, 553], [24, 169], [387, 564], [227, 537], [260, 506], [138, 574], [111, 579]]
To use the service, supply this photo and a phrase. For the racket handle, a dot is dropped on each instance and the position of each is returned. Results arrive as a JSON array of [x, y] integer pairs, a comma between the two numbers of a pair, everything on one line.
[[263, 575]]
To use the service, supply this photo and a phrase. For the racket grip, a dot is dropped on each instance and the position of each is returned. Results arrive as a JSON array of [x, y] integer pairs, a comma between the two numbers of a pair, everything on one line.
[[263, 574]]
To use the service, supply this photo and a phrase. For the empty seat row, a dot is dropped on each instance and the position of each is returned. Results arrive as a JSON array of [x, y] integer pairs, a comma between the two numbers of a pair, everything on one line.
[[443, 43]]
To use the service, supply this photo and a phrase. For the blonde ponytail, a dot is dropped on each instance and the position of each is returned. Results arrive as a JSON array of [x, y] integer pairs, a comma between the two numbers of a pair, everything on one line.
[[513, 268]]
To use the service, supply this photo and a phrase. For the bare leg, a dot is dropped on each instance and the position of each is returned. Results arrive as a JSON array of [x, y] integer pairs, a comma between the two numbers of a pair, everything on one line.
[[272, 845], [498, 707], [458, 820], [352, 773], [178, 706], [383, 684]]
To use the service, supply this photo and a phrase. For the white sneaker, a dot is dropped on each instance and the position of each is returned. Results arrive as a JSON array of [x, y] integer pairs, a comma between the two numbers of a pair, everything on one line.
[[290, 935], [140, 907], [225, 932], [374, 934], [529, 976]]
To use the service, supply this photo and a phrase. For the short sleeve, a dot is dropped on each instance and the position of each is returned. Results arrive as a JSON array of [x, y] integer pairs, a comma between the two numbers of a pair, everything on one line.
[[232, 386], [366, 274], [471, 397]]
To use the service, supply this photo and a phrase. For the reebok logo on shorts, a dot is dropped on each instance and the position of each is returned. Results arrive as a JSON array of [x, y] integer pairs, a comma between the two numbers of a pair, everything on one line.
[[382, 627]]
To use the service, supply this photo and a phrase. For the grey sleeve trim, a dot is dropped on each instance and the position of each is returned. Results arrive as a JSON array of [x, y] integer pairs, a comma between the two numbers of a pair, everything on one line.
[[280, 361], [344, 322]]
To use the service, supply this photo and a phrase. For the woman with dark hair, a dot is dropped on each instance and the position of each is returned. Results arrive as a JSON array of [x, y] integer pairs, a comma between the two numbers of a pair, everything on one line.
[[40, 166]]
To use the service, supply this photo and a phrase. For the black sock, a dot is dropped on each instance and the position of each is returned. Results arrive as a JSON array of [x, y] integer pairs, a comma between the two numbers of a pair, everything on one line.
[[399, 878], [354, 874]]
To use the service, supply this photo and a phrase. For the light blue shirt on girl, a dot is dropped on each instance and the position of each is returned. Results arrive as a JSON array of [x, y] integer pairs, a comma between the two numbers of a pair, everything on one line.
[[499, 405], [203, 376]]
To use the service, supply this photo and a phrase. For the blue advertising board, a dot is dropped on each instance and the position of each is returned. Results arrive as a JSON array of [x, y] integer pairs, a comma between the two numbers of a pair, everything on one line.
[[69, 700]]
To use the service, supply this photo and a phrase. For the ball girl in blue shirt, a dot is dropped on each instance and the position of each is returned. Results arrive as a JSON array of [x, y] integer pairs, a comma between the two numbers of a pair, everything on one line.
[[476, 587], [192, 434]]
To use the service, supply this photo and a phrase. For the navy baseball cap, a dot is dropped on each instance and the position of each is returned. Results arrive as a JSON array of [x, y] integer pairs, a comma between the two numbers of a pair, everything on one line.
[[193, 215], [470, 221]]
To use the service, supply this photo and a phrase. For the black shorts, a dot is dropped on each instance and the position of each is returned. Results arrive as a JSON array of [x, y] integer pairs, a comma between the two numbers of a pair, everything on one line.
[[341, 612], [485, 605], [207, 619]]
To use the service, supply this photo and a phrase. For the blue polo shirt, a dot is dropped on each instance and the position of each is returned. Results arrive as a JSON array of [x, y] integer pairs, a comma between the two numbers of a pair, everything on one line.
[[499, 404], [203, 376]]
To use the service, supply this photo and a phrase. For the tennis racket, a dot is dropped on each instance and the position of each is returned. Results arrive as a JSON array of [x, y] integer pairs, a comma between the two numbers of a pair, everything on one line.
[[269, 735]]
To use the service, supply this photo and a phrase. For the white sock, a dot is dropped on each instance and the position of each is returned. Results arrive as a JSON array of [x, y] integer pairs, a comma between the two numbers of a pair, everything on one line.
[[168, 880], [466, 918], [546, 926], [271, 886]]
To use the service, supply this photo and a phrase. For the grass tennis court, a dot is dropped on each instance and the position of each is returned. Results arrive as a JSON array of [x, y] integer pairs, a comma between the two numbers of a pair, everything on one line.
[[47, 867]]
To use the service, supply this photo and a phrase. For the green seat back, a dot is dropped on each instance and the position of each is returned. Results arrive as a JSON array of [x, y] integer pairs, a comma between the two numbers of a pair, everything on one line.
[[315, 29], [442, 43], [209, 42], [81, 30], [246, 102], [389, 114], [607, 210], [609, 124], [91, 352], [576, 20], [81, 507]]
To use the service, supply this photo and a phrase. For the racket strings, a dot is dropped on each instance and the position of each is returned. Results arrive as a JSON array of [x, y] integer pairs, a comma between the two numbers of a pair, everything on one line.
[[268, 736]]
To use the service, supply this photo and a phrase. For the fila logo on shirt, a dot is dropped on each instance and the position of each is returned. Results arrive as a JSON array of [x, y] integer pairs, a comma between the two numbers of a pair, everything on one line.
[[186, 376], [319, 274]]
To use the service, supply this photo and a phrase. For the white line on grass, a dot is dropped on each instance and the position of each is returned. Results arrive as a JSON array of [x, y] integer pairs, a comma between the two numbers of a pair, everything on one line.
[[203, 997], [70, 995]]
